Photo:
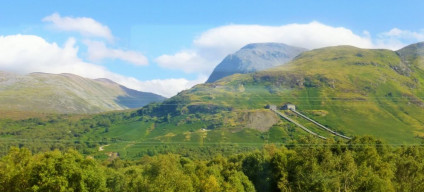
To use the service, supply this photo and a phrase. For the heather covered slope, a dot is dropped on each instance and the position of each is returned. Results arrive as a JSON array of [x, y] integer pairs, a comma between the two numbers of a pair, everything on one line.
[[67, 93]]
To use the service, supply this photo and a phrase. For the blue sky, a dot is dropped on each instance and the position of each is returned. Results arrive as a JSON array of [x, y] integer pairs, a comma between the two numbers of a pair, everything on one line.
[[167, 46]]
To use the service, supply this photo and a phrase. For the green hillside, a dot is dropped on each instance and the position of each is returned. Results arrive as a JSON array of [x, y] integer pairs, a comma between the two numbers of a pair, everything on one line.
[[350, 90]]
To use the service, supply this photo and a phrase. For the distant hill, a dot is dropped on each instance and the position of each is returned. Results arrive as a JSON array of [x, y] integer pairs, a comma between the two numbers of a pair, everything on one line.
[[67, 93], [413, 55], [255, 57]]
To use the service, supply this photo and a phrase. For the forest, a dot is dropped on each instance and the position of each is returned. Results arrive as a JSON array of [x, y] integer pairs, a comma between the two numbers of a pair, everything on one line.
[[361, 164]]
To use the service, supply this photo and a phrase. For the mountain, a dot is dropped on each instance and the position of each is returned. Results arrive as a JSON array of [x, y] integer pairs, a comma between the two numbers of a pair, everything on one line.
[[67, 93], [413, 55], [350, 90], [255, 57]]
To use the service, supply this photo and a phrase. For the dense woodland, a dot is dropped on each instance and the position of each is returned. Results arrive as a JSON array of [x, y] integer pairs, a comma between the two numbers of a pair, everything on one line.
[[362, 164]]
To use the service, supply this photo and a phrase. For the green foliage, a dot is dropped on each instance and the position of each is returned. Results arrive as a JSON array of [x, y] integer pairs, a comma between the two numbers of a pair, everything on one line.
[[363, 164], [50, 171]]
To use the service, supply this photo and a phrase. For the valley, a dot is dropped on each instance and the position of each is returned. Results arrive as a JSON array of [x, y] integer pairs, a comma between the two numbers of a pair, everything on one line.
[[351, 91]]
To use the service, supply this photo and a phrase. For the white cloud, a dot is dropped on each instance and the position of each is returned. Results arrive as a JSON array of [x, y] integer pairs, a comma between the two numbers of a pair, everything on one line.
[[397, 38], [28, 53], [312, 35], [213, 45], [405, 34], [189, 61], [98, 51], [167, 87], [83, 25]]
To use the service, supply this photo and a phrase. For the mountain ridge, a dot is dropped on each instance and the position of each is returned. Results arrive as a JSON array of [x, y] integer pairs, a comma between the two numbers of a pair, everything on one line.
[[67, 93]]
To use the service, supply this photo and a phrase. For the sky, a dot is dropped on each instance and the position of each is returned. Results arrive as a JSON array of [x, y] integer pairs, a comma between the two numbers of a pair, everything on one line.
[[165, 47]]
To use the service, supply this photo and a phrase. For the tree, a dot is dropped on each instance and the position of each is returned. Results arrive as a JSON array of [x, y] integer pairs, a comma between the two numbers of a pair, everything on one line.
[[15, 170], [57, 171]]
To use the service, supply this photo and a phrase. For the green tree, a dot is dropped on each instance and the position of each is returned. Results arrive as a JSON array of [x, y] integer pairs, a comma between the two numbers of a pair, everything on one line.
[[70, 171], [409, 174], [15, 170]]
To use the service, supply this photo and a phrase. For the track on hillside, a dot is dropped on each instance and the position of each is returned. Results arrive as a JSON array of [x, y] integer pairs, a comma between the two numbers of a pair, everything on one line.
[[319, 125], [298, 124]]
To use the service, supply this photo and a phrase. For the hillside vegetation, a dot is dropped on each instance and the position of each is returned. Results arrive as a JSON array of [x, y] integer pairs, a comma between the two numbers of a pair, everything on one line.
[[363, 164]]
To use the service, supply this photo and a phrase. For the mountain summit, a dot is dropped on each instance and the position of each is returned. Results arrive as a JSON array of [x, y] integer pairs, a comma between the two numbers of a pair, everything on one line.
[[255, 57], [413, 54]]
